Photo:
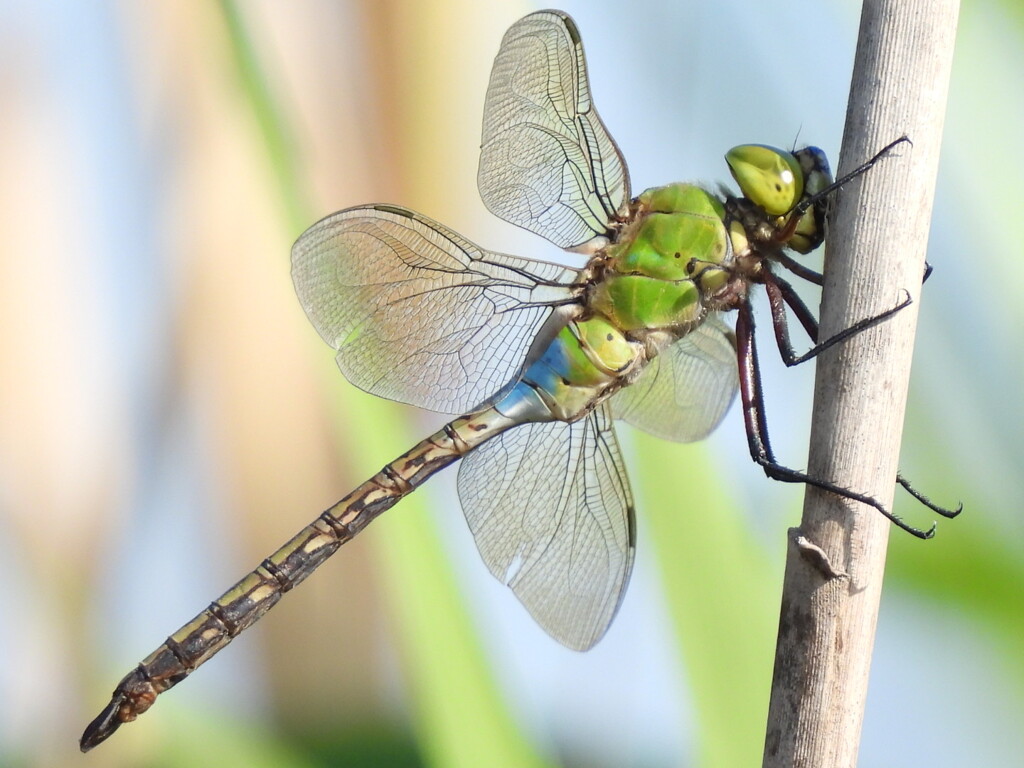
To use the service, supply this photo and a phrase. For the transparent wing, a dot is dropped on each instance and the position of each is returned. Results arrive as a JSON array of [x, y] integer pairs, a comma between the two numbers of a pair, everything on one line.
[[550, 508], [547, 163], [417, 313], [684, 393]]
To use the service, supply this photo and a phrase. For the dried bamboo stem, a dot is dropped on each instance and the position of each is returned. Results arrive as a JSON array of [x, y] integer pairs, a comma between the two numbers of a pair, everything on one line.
[[876, 251]]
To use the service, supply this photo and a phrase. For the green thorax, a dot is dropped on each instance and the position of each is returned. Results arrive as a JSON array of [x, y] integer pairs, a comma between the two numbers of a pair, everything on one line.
[[677, 231]]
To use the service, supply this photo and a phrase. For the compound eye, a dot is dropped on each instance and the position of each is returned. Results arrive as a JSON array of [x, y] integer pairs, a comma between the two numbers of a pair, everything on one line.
[[770, 177], [814, 164]]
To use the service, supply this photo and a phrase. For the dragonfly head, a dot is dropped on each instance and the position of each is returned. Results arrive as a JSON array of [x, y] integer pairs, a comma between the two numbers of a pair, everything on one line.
[[783, 184]]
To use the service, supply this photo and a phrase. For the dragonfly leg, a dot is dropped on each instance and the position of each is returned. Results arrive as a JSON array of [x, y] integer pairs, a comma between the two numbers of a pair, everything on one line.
[[836, 185], [782, 294], [944, 511], [817, 278], [756, 424], [799, 269]]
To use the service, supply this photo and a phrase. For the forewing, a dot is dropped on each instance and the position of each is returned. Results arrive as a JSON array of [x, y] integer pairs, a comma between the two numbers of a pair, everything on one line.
[[547, 163], [417, 313], [551, 511], [685, 392]]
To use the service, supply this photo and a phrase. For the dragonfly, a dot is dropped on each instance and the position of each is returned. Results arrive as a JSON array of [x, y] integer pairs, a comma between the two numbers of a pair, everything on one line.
[[541, 358]]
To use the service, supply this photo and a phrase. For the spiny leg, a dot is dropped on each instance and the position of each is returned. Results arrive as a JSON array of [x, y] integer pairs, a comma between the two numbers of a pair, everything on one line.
[[817, 278], [905, 484], [782, 294], [804, 205], [756, 425]]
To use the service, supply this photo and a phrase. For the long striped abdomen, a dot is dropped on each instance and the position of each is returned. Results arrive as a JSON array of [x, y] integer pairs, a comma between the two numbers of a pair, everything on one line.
[[242, 605]]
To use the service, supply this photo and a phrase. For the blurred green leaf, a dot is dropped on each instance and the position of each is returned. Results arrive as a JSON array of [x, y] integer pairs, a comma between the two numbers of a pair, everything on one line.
[[723, 597]]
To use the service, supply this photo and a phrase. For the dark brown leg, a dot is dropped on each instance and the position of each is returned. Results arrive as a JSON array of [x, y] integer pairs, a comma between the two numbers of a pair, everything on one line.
[[781, 294], [756, 425], [799, 269]]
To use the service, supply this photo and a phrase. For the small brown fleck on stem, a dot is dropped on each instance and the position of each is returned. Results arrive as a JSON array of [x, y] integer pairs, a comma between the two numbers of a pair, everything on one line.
[[815, 555]]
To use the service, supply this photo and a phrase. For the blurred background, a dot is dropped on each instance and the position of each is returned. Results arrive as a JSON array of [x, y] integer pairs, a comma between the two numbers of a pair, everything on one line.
[[168, 416]]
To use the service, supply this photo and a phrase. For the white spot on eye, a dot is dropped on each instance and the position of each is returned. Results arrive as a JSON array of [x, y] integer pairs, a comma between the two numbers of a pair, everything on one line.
[[787, 176]]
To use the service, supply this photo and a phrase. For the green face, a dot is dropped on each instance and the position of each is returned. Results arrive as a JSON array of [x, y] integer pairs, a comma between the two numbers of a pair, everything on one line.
[[770, 177]]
